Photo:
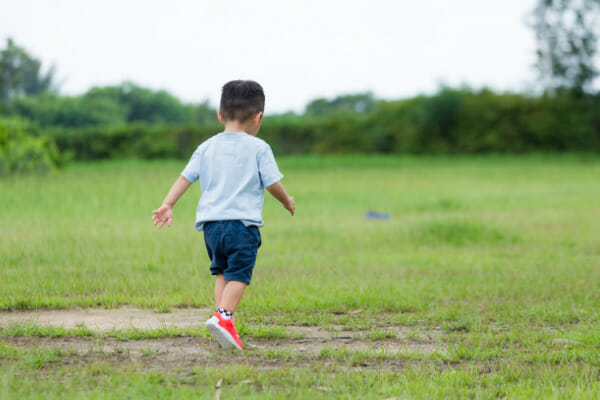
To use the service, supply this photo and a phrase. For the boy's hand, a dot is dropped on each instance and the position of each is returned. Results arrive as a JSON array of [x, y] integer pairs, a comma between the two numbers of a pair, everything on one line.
[[163, 215], [290, 205], [280, 194]]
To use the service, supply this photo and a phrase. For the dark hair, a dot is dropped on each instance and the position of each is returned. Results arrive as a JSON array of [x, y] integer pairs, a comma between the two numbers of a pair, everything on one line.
[[240, 100]]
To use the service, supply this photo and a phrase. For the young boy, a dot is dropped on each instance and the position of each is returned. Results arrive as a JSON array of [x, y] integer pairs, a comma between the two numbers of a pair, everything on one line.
[[233, 167]]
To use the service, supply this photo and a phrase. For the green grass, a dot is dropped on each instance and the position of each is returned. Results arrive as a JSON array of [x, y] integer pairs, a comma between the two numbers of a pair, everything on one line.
[[500, 253], [35, 330], [50, 373], [28, 329]]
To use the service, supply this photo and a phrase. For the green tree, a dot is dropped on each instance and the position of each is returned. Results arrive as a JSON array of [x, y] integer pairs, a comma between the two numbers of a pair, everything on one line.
[[146, 105], [567, 38], [361, 103], [51, 110], [440, 116], [20, 73]]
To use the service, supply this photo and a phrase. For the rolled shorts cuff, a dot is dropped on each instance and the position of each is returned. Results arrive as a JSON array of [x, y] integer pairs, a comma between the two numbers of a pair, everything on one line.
[[232, 277]]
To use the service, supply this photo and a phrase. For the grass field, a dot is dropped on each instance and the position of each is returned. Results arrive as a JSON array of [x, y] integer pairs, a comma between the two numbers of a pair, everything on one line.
[[484, 282]]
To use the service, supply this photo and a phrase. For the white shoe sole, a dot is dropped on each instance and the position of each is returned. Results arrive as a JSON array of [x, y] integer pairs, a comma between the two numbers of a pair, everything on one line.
[[222, 336]]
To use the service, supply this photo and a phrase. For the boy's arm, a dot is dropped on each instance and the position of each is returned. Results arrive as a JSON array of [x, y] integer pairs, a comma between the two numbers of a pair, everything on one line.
[[165, 213], [278, 191]]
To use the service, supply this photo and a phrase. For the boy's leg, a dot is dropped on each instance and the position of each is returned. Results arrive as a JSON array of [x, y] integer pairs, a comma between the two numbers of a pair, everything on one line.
[[231, 295], [228, 294], [219, 286]]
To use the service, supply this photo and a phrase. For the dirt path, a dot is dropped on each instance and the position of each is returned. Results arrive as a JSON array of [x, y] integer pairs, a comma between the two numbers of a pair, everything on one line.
[[102, 320], [307, 344]]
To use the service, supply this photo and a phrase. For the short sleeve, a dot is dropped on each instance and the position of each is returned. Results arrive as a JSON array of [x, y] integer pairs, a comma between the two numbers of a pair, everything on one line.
[[267, 167], [191, 172]]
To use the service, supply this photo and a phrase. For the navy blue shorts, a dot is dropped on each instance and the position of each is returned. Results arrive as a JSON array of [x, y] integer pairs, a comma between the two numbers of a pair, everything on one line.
[[232, 249]]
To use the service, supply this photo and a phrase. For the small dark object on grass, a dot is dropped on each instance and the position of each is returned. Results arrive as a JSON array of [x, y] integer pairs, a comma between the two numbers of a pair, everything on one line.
[[376, 215]]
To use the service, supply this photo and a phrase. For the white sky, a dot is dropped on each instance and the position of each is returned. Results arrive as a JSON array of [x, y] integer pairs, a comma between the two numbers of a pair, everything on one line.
[[298, 50]]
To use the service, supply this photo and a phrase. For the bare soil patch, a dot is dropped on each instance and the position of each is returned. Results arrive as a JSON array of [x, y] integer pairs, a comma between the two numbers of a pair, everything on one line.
[[102, 320], [177, 352], [182, 354]]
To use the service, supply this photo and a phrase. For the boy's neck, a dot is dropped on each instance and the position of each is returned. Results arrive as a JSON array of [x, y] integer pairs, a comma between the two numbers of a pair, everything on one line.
[[250, 127], [235, 126]]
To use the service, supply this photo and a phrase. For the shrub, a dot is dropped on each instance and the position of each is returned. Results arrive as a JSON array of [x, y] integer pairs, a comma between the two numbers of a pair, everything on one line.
[[22, 152]]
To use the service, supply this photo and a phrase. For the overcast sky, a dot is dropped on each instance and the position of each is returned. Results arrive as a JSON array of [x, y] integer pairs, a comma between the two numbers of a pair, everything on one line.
[[298, 50]]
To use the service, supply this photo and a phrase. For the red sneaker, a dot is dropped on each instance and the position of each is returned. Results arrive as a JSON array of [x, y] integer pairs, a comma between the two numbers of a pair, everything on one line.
[[224, 331]]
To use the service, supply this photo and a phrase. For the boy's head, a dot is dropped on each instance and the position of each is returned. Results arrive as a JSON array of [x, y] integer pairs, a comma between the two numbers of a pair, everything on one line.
[[241, 101]]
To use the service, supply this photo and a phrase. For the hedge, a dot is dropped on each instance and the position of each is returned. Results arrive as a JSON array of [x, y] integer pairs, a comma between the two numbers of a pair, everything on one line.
[[450, 122]]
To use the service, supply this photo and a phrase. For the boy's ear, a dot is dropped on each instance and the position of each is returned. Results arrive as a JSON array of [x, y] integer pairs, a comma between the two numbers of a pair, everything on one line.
[[220, 117], [258, 117]]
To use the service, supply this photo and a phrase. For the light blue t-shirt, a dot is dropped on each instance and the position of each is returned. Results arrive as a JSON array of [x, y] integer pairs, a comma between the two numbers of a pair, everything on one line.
[[233, 169]]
